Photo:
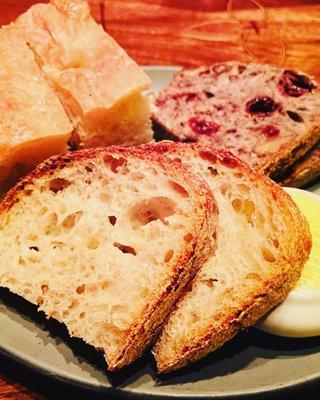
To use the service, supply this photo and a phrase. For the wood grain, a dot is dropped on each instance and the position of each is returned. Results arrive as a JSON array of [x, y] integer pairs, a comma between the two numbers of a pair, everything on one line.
[[194, 32]]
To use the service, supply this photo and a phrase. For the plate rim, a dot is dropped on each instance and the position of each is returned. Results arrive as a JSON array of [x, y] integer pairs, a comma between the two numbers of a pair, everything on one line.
[[126, 394]]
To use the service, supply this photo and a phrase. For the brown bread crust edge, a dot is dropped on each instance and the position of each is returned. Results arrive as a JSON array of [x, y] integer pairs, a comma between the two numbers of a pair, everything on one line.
[[304, 171], [190, 261], [276, 163]]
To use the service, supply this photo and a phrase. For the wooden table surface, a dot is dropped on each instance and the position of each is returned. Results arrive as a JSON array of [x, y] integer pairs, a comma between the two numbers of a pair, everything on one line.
[[188, 32]]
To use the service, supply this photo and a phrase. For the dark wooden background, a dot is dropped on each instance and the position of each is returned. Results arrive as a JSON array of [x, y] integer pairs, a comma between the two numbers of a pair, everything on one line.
[[188, 33]]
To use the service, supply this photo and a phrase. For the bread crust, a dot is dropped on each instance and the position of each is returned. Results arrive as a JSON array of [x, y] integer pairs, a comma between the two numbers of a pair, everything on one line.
[[298, 246], [191, 258], [304, 171]]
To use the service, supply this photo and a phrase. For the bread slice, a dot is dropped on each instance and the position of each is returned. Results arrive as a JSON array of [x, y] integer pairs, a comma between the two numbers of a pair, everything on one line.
[[104, 240], [267, 116], [33, 124], [100, 86], [305, 171], [262, 244]]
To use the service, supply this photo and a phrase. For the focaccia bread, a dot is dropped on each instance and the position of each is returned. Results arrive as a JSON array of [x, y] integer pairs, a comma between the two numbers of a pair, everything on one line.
[[101, 88], [267, 116], [104, 240], [263, 241], [33, 124]]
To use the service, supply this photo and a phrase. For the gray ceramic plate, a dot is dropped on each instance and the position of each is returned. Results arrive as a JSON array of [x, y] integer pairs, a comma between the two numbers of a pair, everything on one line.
[[251, 364]]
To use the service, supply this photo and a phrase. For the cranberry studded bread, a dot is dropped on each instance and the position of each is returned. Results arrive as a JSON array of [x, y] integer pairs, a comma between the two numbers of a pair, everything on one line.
[[305, 171], [262, 243], [100, 86], [267, 116], [33, 124], [103, 240]]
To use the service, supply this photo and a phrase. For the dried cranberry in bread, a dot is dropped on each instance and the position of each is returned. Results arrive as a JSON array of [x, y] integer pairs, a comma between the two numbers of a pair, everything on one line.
[[305, 171], [262, 243], [104, 240], [267, 116]]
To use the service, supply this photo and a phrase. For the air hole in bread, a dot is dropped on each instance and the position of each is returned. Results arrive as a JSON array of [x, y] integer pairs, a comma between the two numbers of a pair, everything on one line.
[[224, 189], [74, 303], [34, 258], [179, 189], [57, 245], [93, 242], [35, 248], [42, 210], [104, 284], [209, 282], [268, 255], [44, 288], [150, 210], [105, 197], [40, 300], [253, 276], [82, 315], [125, 249], [22, 261], [275, 243], [137, 176], [81, 289], [71, 220], [32, 236], [188, 237], [168, 256], [58, 184], [51, 224], [245, 207], [213, 171], [88, 168], [112, 219], [237, 205], [115, 163], [244, 188]]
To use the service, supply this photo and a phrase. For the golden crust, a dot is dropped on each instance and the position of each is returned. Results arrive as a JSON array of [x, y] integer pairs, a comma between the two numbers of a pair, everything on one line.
[[304, 171]]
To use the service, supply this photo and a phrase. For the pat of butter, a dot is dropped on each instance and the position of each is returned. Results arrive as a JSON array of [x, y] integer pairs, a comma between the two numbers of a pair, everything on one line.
[[299, 314]]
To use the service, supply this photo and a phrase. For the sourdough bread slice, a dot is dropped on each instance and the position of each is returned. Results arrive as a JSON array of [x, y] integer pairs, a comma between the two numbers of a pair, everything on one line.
[[104, 240], [267, 116], [262, 244], [304, 172], [100, 86], [33, 124]]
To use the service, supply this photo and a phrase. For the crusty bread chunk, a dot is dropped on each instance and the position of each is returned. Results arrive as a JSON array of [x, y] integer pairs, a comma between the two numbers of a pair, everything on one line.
[[262, 243], [267, 116], [104, 240], [100, 86], [305, 171], [33, 124]]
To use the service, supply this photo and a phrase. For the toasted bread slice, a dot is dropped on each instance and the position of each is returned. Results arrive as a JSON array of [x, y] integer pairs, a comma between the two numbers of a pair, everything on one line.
[[104, 240], [304, 172], [262, 243], [33, 124], [267, 116], [100, 86]]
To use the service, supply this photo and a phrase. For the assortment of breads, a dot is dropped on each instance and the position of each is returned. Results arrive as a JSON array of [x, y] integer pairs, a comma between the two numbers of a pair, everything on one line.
[[177, 244]]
